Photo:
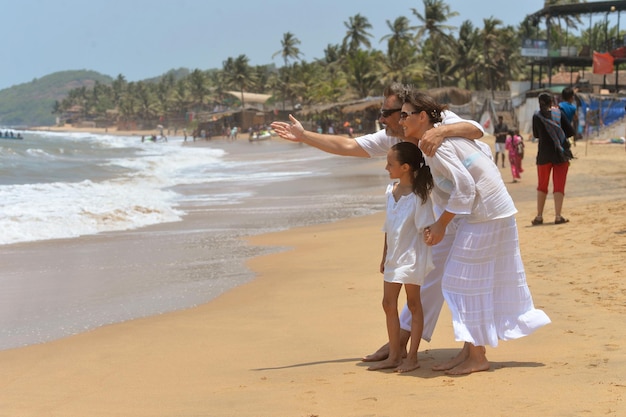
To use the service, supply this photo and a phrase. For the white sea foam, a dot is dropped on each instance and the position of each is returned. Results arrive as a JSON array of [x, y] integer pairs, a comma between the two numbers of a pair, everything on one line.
[[60, 185]]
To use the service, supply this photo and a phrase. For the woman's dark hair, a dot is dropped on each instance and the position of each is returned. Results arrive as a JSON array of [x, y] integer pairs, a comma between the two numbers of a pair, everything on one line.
[[545, 101], [424, 102], [422, 179]]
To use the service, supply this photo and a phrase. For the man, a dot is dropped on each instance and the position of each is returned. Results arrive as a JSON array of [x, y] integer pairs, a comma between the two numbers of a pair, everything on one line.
[[568, 108], [378, 144], [500, 130]]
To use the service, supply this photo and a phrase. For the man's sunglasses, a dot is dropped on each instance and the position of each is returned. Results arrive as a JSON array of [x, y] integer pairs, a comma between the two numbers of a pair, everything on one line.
[[388, 112]]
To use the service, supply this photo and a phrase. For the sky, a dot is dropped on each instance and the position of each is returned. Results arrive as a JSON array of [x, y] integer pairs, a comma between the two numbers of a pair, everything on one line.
[[145, 38]]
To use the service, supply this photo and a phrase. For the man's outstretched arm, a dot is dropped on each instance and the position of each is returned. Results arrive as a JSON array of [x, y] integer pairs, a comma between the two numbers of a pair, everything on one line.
[[335, 144]]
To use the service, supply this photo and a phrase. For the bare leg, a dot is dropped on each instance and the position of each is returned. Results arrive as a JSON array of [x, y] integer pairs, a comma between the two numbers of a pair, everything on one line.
[[476, 362], [457, 360], [383, 352], [411, 363], [390, 305], [541, 202], [558, 204]]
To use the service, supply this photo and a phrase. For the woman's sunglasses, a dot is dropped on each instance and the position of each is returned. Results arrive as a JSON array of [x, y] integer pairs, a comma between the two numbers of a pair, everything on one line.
[[404, 115]]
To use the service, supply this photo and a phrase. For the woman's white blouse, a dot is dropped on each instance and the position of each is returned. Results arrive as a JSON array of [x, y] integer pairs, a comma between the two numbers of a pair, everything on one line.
[[468, 182]]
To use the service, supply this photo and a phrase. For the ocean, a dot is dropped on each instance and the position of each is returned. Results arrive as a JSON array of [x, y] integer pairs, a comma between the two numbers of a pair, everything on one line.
[[67, 195]]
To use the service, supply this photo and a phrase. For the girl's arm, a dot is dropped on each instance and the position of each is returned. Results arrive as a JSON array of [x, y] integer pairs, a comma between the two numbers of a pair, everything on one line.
[[382, 263]]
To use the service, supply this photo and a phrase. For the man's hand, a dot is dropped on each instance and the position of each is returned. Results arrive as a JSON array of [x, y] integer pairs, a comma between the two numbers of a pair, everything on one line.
[[291, 131], [432, 139]]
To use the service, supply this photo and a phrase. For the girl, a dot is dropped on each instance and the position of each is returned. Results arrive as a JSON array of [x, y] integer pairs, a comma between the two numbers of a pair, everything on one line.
[[406, 258], [484, 282], [515, 147]]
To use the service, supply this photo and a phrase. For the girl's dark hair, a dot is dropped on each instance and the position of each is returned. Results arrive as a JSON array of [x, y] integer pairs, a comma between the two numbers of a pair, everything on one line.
[[422, 179], [423, 102]]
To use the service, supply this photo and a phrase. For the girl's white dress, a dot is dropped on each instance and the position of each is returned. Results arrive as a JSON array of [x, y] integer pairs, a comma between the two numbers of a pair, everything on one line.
[[484, 282], [408, 259]]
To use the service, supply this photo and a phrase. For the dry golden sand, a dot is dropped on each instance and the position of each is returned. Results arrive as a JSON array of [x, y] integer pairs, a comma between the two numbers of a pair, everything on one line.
[[289, 342]]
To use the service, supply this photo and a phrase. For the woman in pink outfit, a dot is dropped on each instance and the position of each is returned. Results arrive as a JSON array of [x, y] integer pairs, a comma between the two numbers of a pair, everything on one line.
[[515, 146]]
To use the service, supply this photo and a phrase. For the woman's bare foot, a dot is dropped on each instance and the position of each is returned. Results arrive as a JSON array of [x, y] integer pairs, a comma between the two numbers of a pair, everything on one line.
[[469, 366], [454, 362], [476, 362], [408, 365], [386, 364]]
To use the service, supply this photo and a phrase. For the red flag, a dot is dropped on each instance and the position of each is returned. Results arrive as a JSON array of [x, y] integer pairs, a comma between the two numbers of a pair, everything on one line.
[[602, 63]]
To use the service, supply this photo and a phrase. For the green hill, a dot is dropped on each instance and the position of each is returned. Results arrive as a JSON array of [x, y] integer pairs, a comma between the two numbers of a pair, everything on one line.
[[30, 104]]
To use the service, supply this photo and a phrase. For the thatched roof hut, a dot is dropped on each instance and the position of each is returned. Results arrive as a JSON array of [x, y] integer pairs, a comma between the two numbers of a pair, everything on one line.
[[450, 95]]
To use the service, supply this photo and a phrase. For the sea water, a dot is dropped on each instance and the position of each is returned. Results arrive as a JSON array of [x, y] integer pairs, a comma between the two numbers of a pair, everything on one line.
[[65, 185]]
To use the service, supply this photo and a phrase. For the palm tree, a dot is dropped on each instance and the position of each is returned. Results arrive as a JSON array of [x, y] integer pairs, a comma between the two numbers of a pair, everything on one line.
[[357, 33], [119, 86], [180, 97], [570, 22], [198, 87], [400, 64], [289, 48], [467, 51], [128, 103], [436, 13], [491, 47], [401, 32], [288, 51], [164, 91], [363, 71], [238, 74]]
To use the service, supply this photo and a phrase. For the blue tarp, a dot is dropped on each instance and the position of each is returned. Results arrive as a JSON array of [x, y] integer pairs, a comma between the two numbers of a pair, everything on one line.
[[596, 111]]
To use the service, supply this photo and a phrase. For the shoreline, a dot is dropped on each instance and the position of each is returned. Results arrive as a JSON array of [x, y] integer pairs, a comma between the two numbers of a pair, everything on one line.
[[65, 286], [289, 341]]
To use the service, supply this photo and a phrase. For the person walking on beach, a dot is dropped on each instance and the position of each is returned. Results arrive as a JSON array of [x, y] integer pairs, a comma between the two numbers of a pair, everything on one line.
[[515, 146], [378, 144], [552, 129], [484, 283], [500, 130], [406, 258]]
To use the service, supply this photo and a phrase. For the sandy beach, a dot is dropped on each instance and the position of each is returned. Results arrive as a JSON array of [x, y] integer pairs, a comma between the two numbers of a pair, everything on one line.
[[289, 342]]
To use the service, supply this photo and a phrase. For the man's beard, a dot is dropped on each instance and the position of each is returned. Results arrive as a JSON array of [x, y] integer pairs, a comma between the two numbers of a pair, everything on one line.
[[397, 134]]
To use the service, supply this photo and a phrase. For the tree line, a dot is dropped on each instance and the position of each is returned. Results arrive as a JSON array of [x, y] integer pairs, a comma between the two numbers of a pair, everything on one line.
[[423, 50]]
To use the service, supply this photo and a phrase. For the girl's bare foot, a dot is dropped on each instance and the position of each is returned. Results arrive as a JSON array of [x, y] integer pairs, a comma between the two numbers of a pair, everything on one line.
[[386, 364], [408, 365]]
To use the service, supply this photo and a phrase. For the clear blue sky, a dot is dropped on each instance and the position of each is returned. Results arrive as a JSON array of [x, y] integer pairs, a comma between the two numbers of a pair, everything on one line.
[[145, 38]]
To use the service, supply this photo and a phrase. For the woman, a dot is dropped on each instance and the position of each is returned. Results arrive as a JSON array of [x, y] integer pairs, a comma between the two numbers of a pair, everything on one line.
[[484, 282], [548, 123]]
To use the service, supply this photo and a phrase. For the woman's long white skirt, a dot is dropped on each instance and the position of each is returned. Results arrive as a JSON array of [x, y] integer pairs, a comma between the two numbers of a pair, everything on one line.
[[484, 284]]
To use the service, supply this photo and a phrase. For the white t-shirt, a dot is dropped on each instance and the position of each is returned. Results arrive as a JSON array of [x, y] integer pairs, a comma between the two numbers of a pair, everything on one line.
[[408, 259], [379, 143]]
